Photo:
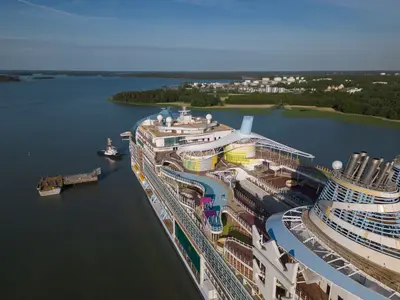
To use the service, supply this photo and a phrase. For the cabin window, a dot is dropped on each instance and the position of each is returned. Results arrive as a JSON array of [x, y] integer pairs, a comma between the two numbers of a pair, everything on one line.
[[328, 289]]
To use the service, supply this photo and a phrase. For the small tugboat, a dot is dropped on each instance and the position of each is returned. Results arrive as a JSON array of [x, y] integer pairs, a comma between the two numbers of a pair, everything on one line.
[[110, 152]]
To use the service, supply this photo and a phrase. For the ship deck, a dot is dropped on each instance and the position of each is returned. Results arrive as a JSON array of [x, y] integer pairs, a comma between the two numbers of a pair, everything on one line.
[[387, 277], [49, 183], [293, 243], [153, 129], [303, 185], [246, 254]]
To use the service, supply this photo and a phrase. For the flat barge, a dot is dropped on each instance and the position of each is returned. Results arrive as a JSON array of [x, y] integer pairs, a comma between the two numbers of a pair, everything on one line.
[[48, 186]]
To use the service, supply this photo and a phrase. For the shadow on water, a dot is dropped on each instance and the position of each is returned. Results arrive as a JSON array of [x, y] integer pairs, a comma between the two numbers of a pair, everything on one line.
[[79, 185], [105, 174]]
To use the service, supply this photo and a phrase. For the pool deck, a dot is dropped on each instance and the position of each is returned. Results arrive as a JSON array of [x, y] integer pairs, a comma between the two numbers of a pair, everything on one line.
[[215, 189]]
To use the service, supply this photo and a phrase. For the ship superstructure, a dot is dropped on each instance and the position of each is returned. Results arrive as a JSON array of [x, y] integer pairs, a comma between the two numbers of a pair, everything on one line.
[[254, 219]]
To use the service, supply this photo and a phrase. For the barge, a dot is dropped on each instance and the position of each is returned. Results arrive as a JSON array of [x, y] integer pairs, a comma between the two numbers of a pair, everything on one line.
[[48, 186]]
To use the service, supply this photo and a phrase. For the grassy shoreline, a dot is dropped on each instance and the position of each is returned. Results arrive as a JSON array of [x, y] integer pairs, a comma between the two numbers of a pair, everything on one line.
[[290, 111], [328, 113], [254, 109]]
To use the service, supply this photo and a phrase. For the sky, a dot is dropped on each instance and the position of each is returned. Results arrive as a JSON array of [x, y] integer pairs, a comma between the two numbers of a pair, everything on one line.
[[200, 35]]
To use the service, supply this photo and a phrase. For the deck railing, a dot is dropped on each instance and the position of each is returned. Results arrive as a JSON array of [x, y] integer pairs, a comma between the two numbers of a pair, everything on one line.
[[230, 284], [237, 218]]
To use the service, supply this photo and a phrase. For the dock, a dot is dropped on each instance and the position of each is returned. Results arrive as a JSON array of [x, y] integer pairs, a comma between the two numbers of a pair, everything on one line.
[[48, 186]]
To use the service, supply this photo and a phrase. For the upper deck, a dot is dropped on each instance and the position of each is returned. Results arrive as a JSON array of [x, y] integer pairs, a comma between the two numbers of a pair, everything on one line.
[[156, 129], [167, 124]]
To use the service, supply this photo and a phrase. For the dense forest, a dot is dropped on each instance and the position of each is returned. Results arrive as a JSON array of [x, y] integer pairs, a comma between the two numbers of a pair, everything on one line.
[[192, 97], [374, 99]]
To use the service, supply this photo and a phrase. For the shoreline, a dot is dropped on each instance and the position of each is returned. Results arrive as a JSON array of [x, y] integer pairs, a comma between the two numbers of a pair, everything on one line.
[[289, 111], [329, 113], [331, 110], [264, 107]]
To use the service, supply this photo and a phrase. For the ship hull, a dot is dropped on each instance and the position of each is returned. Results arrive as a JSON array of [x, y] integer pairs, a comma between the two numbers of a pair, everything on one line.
[[51, 192], [171, 238]]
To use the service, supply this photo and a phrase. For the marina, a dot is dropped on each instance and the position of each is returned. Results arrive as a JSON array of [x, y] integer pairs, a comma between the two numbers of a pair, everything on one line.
[[48, 186]]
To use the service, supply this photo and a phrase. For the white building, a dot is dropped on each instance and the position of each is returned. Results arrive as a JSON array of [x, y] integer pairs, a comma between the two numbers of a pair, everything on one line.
[[354, 90]]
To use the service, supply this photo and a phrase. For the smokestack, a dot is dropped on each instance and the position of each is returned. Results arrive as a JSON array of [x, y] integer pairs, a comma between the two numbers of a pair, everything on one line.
[[382, 173], [358, 164], [362, 167], [351, 164], [371, 170], [389, 177]]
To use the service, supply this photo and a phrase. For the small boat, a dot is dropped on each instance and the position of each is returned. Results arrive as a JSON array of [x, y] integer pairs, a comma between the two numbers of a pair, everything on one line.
[[110, 152], [125, 135]]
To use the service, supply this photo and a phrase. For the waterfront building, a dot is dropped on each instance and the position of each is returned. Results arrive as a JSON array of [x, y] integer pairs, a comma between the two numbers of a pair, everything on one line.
[[253, 218]]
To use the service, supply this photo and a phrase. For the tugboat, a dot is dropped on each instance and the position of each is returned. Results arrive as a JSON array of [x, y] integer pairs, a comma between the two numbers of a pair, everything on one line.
[[110, 152]]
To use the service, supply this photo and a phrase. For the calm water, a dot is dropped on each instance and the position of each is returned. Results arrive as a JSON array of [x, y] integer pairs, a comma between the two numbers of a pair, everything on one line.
[[103, 241]]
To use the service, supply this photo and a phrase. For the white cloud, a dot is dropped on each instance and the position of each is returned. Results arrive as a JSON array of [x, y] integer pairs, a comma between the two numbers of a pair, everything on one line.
[[59, 11]]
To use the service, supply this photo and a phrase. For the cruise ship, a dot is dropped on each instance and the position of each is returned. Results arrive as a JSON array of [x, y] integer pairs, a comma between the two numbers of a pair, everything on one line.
[[252, 218]]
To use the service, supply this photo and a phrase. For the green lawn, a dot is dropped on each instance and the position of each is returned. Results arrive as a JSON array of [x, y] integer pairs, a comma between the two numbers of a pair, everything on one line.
[[359, 119]]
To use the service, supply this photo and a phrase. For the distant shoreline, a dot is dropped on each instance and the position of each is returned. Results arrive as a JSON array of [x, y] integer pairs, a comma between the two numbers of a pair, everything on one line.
[[302, 111], [290, 111], [7, 78], [200, 75], [255, 109], [330, 109]]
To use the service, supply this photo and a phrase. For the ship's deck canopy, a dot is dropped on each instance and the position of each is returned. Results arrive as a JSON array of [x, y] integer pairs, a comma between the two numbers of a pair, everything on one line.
[[242, 135], [290, 233]]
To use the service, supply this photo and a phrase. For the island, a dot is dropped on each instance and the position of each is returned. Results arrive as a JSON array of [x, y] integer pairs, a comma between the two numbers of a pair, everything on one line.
[[7, 78]]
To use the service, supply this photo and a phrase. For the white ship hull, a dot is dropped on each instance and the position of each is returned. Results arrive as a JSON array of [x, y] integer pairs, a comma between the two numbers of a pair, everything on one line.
[[158, 213], [55, 191]]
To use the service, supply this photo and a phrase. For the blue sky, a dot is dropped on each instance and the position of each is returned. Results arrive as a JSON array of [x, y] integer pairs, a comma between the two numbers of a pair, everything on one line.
[[173, 35]]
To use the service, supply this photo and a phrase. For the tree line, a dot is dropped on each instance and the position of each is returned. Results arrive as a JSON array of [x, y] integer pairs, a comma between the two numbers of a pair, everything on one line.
[[382, 101], [166, 95]]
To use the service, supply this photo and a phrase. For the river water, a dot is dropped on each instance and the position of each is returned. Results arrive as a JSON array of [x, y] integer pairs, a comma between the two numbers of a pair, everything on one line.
[[103, 241]]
